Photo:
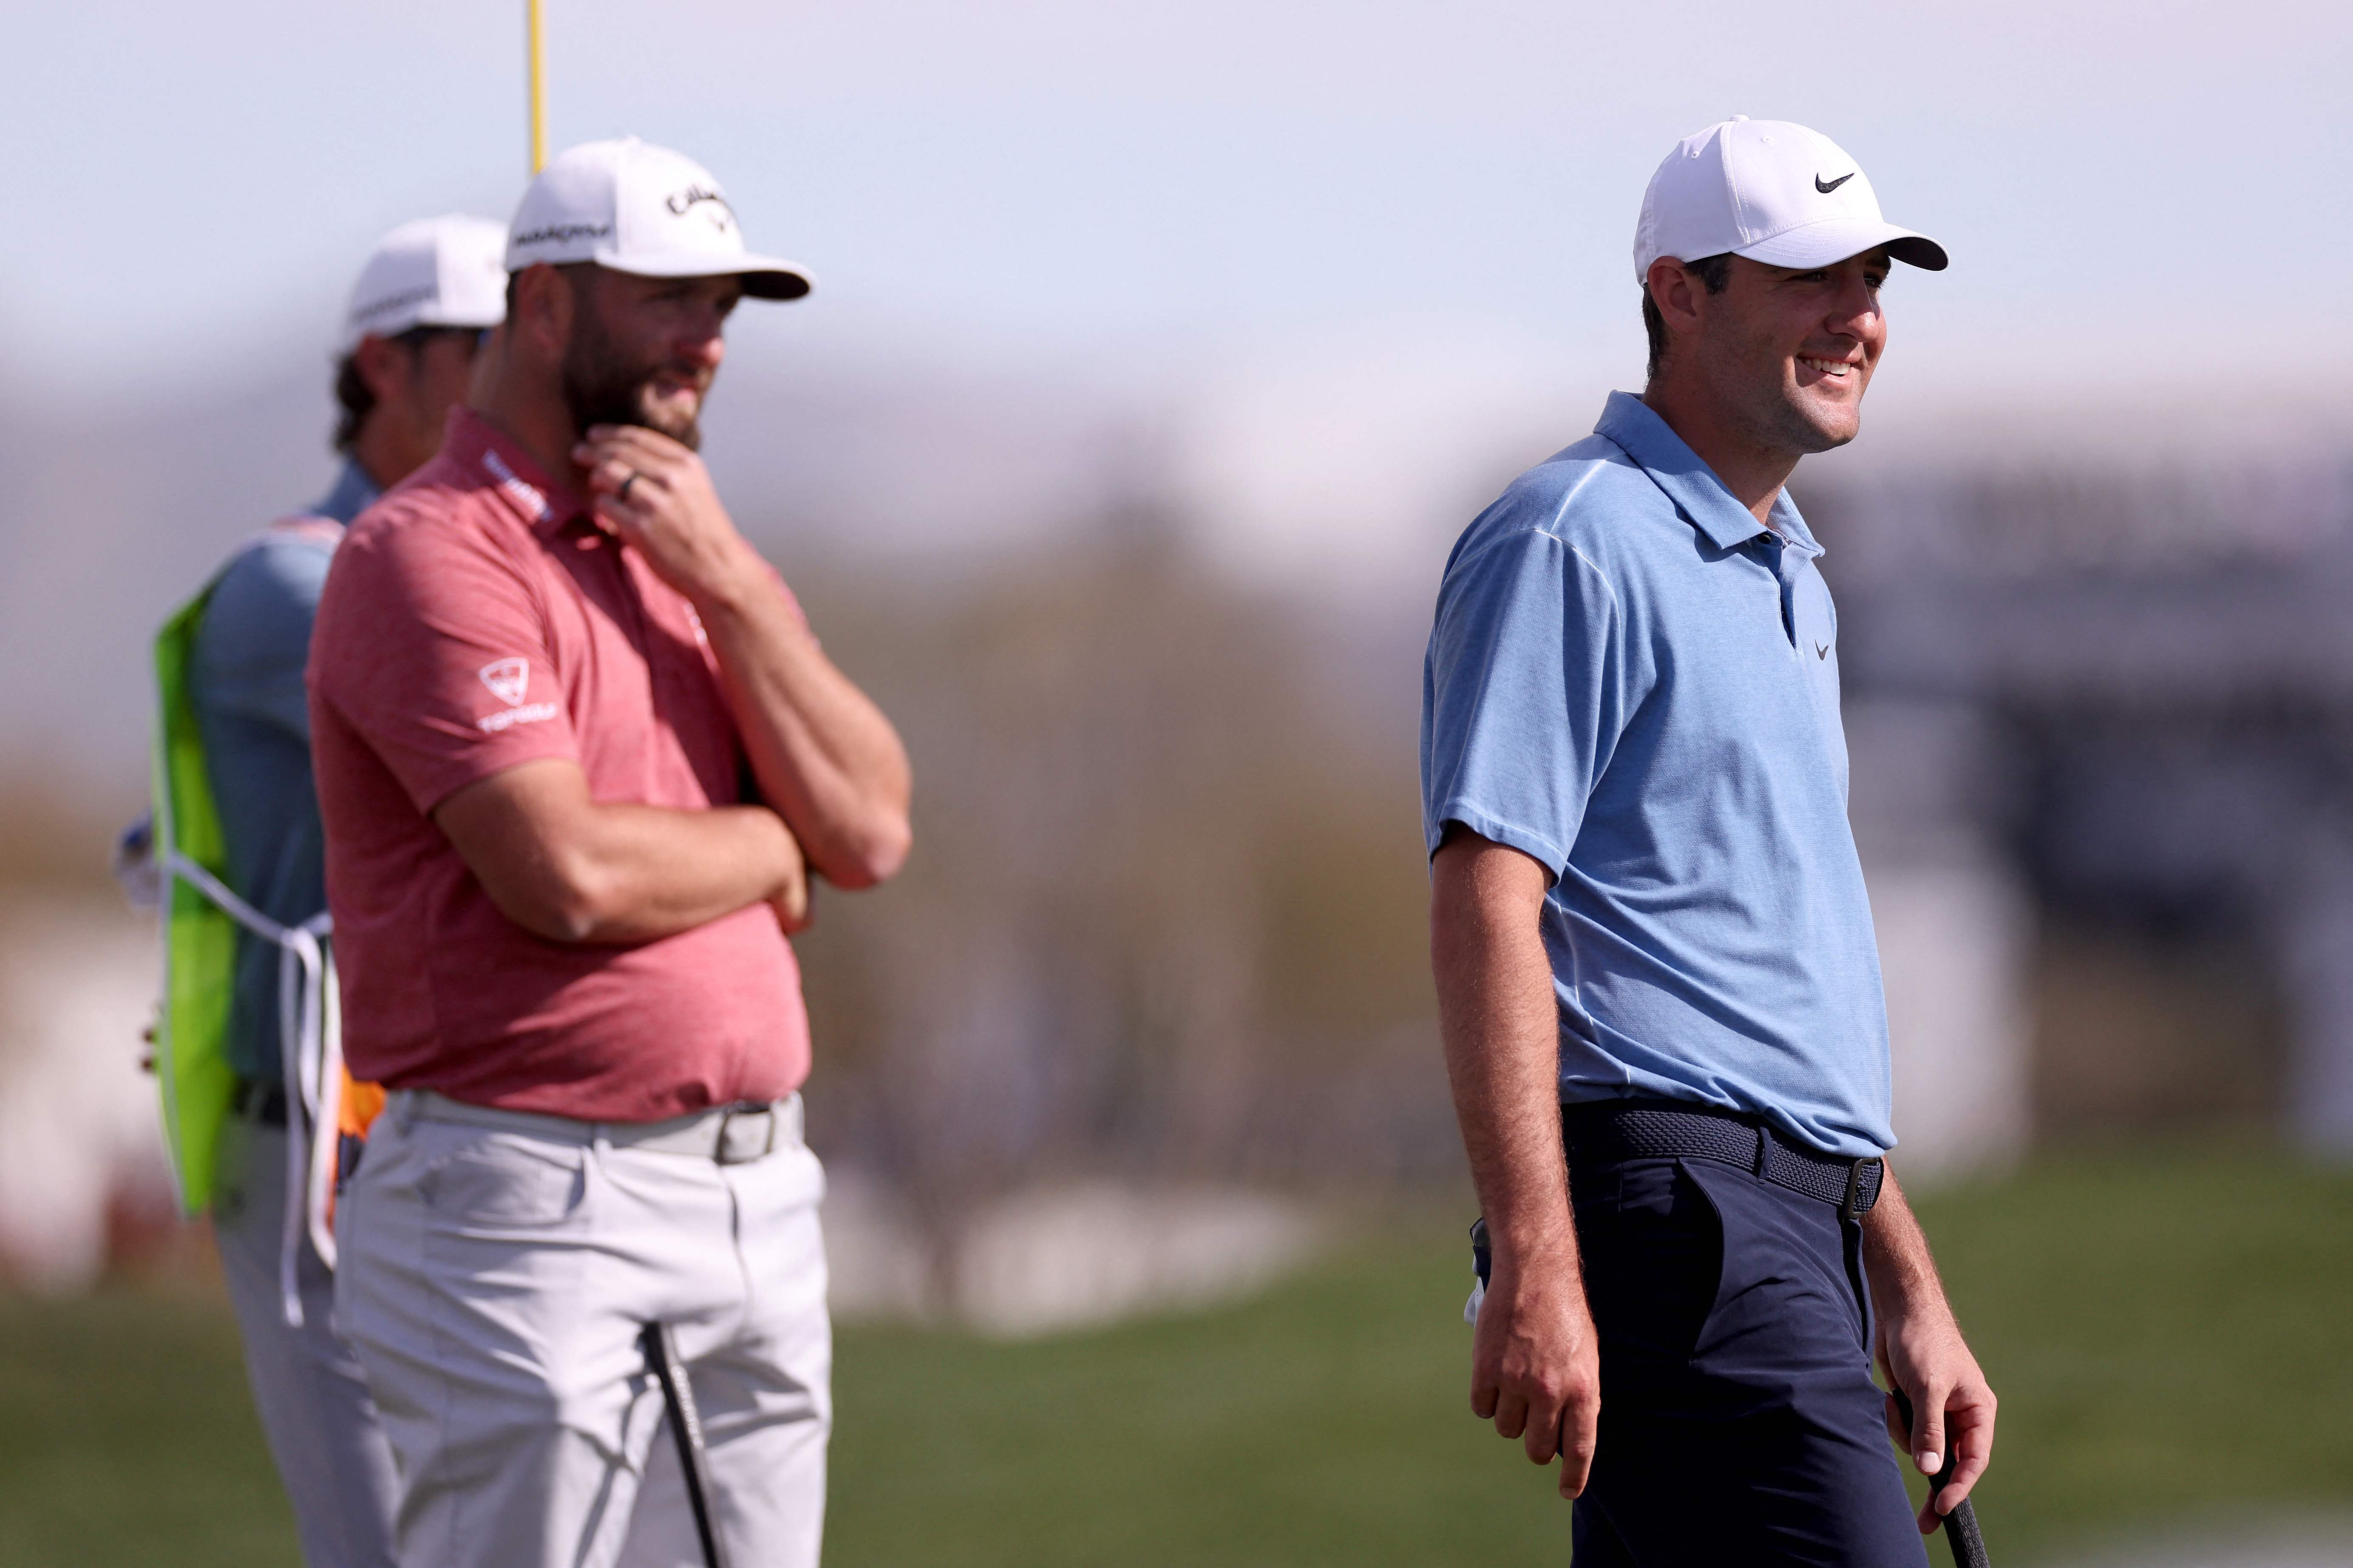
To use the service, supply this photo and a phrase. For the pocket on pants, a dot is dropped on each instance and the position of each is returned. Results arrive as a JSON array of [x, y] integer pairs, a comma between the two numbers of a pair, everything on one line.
[[1654, 1255], [504, 1179], [1783, 1309]]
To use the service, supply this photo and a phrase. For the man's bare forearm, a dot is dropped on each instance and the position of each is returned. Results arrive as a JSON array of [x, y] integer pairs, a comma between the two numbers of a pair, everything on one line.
[[1921, 1350], [1895, 1255], [569, 868], [824, 756], [1499, 1024], [1535, 1363], [658, 871]]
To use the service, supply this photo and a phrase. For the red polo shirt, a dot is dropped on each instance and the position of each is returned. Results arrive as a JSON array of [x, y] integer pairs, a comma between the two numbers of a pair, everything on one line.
[[475, 619]]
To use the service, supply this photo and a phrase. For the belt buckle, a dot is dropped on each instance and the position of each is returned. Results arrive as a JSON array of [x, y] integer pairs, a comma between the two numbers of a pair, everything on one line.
[[1849, 1204], [725, 1154]]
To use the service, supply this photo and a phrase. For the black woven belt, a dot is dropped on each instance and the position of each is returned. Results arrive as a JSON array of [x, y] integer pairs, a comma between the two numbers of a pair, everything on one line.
[[1609, 1131]]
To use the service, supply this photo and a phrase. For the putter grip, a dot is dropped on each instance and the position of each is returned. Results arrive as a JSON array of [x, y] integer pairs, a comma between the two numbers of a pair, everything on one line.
[[1962, 1532]]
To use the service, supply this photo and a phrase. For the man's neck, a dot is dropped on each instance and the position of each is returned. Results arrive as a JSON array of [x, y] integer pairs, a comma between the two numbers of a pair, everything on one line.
[[540, 424], [1753, 473], [385, 452]]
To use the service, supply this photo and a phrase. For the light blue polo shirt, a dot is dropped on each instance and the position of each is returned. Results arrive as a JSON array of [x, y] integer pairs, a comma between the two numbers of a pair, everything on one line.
[[1632, 682], [254, 717]]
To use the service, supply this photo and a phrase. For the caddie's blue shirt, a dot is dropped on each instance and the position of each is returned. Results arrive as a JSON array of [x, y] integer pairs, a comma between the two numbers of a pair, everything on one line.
[[1632, 682], [253, 715]]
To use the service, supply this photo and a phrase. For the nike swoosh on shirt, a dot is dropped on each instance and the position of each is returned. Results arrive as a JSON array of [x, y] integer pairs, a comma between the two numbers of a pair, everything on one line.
[[1834, 185], [1821, 650]]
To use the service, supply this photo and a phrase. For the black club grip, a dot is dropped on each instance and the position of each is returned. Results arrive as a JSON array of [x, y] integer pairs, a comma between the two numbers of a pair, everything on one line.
[[1962, 1532]]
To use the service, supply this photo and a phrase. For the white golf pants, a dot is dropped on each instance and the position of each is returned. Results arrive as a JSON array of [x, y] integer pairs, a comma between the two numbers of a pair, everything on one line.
[[495, 1275]]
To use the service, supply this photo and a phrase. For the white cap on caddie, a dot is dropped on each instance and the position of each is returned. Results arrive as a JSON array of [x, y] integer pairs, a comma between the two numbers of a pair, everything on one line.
[[445, 272], [639, 208], [1771, 191]]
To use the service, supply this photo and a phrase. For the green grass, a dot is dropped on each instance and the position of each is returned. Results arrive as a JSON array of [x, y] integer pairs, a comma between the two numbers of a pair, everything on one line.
[[127, 1436], [2171, 1332]]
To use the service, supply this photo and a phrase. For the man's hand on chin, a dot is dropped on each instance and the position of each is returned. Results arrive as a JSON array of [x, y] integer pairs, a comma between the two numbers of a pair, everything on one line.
[[655, 493]]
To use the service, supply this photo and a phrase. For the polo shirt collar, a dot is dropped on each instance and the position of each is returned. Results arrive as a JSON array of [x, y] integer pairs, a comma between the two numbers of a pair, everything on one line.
[[1690, 484], [482, 448]]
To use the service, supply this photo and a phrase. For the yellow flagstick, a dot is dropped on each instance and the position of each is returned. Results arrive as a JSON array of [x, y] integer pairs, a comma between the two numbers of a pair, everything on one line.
[[534, 10]]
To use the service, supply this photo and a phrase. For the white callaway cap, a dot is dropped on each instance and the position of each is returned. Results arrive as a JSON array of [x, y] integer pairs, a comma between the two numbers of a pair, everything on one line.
[[443, 271], [639, 208], [1772, 191]]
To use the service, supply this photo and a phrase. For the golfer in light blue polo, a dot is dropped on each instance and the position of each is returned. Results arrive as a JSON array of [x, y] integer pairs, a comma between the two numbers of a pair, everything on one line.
[[1654, 956]]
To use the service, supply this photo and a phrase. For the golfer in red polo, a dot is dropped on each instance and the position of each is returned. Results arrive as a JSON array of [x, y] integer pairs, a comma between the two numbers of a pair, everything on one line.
[[579, 756]]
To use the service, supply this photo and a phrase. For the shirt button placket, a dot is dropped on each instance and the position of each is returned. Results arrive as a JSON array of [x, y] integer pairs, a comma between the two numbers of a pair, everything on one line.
[[1777, 557]]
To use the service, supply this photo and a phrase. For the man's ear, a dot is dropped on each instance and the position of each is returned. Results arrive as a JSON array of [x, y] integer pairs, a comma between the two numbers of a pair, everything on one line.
[[543, 302], [384, 366], [1677, 294]]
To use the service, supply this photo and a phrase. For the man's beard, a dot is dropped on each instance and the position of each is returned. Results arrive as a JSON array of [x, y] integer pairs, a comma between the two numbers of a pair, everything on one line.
[[601, 387]]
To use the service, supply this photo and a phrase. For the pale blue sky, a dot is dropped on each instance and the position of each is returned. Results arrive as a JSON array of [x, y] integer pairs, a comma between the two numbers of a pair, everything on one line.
[[2130, 192], [1329, 270]]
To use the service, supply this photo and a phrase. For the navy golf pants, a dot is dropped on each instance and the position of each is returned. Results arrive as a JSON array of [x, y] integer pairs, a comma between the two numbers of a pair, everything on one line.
[[1739, 1424]]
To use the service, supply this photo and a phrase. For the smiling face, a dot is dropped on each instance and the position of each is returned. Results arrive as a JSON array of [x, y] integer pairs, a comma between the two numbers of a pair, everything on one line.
[[1784, 355], [644, 351]]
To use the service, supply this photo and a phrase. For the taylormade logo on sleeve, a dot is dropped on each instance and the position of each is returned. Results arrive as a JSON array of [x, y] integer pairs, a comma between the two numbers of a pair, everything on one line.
[[510, 681], [508, 678]]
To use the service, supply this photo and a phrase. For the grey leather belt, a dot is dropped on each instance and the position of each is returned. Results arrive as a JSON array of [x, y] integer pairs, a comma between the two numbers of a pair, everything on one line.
[[725, 1134]]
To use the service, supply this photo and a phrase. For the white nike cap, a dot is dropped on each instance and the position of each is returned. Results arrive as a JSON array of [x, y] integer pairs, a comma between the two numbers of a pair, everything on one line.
[[639, 208], [445, 272], [1771, 191]]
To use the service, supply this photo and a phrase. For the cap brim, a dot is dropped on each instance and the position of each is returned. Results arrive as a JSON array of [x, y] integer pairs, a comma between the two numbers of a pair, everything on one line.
[[764, 276], [1834, 239], [481, 321]]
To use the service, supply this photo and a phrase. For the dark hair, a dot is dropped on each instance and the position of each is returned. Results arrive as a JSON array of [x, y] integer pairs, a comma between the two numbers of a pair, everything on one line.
[[356, 399], [1713, 271]]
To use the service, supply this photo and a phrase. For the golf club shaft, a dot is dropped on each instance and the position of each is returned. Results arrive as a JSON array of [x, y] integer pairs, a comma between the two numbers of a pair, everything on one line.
[[686, 1428], [1961, 1531]]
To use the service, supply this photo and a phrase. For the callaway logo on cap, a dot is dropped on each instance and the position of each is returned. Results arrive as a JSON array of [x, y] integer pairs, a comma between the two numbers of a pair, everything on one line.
[[1772, 191], [639, 208], [435, 272]]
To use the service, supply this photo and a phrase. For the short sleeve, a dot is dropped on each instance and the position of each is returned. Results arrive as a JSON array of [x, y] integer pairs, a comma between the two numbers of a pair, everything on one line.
[[433, 648], [1521, 694], [256, 633]]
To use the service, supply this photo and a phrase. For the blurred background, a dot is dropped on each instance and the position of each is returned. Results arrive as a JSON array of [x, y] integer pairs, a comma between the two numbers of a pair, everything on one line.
[[1157, 355]]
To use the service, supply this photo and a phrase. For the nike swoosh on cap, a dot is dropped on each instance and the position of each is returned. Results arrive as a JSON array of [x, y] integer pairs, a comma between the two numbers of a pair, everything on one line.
[[1834, 185]]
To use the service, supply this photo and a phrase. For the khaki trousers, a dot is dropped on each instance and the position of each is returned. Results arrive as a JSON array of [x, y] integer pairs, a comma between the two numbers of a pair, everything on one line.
[[493, 1280]]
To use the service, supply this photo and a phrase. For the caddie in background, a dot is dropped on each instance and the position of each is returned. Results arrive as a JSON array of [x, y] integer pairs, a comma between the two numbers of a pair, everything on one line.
[[579, 756], [241, 848], [1656, 970]]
